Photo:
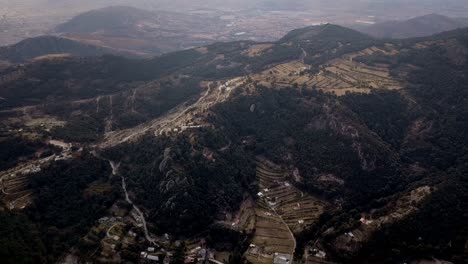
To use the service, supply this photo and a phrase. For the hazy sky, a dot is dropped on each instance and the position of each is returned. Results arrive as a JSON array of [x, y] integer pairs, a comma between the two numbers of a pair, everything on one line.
[[243, 4], [419, 6], [20, 19]]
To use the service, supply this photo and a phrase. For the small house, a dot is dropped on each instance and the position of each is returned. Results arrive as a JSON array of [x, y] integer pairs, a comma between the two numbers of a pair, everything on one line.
[[282, 258]]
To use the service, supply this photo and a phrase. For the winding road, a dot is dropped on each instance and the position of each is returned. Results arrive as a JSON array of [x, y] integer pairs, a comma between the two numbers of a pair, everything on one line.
[[290, 232], [115, 168]]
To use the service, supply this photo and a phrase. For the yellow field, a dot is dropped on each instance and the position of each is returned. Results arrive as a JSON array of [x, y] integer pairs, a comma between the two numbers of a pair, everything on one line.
[[337, 76]]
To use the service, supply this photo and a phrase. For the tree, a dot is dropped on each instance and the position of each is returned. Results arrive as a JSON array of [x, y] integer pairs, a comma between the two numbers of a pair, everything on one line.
[[179, 254]]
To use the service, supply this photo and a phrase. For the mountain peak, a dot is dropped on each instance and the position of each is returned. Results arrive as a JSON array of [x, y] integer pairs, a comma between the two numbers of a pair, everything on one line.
[[323, 32], [104, 19]]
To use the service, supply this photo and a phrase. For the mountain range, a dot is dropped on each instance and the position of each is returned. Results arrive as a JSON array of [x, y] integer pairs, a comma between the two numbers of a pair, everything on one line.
[[326, 146], [144, 32]]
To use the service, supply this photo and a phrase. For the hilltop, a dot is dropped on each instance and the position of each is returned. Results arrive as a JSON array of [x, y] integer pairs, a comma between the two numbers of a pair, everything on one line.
[[324, 32], [111, 20], [140, 31], [49, 46]]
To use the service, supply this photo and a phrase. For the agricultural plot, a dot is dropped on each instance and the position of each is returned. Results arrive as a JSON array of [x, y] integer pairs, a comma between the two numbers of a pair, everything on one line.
[[297, 209], [14, 193], [284, 75], [281, 211], [346, 75], [257, 50], [338, 76], [13, 183], [342, 73], [271, 236]]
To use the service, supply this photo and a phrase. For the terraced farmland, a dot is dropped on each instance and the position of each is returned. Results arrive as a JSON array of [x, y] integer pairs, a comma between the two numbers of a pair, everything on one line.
[[271, 236], [338, 76], [284, 75], [14, 181], [297, 209], [281, 211], [13, 190]]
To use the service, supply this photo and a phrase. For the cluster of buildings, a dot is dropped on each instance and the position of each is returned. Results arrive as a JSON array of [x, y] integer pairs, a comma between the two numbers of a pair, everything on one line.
[[318, 253], [281, 258], [198, 255], [365, 221], [180, 129], [149, 255], [32, 169]]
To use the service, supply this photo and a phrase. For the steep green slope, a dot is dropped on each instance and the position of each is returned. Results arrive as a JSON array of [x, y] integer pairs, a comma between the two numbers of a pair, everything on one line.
[[430, 134], [19, 234]]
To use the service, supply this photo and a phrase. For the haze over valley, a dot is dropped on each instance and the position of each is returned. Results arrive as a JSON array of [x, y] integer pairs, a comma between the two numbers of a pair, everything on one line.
[[207, 21]]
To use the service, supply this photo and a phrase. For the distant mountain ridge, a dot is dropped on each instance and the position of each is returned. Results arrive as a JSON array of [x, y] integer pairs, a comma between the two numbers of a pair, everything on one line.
[[113, 19], [141, 31], [416, 27], [48, 45]]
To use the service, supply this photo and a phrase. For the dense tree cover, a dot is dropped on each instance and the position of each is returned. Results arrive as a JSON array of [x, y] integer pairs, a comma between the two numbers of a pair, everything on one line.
[[181, 188], [324, 32], [179, 254], [384, 112], [64, 209], [222, 238], [20, 241], [294, 128], [121, 110], [325, 42], [437, 229], [79, 129], [438, 87], [437, 84], [12, 148], [441, 88], [44, 45], [78, 78], [280, 121]]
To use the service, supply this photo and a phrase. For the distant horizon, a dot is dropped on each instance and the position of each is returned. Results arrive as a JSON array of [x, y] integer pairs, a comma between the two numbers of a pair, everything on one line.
[[286, 13]]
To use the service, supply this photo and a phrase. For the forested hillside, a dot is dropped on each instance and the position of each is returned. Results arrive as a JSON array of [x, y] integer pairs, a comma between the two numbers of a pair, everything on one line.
[[47, 47], [327, 145]]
